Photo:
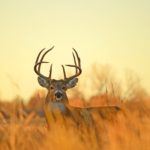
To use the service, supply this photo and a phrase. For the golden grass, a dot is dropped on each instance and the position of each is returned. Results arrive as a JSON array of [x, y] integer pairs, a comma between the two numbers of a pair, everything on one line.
[[127, 129]]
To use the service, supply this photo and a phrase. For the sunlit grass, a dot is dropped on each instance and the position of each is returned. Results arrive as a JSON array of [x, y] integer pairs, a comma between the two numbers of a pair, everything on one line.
[[22, 129], [23, 125]]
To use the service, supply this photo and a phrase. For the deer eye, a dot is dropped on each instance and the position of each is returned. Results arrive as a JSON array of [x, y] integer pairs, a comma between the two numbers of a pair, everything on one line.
[[64, 87], [51, 87]]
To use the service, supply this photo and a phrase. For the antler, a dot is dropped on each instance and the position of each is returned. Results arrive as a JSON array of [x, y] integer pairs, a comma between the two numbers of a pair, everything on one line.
[[77, 66], [37, 66]]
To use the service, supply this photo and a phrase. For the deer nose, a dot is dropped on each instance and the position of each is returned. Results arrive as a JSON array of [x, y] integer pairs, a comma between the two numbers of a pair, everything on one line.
[[58, 94]]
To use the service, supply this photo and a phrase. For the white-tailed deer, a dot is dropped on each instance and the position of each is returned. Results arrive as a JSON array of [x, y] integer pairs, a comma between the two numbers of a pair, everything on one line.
[[56, 99]]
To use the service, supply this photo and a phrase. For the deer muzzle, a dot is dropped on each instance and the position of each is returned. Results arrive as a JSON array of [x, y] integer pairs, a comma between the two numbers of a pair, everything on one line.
[[58, 95]]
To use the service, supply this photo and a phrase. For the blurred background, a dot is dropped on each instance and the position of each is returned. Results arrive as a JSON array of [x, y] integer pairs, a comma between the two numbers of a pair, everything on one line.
[[107, 34]]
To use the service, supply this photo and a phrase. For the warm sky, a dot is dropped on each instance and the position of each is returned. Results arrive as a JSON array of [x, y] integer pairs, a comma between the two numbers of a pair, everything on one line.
[[108, 32]]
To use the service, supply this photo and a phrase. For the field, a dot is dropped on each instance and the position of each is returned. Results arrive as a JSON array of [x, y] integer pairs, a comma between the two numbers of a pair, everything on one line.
[[23, 127]]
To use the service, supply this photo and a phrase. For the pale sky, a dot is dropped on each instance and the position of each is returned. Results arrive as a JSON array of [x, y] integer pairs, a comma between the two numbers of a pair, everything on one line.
[[108, 32]]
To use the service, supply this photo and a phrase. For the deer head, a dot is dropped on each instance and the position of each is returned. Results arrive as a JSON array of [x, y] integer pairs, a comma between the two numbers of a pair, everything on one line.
[[57, 88]]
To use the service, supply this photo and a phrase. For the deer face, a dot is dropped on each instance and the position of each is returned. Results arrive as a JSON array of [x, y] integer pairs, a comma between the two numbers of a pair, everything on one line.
[[57, 88]]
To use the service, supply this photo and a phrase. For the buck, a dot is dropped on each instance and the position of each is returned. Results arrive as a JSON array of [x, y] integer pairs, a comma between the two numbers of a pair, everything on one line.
[[56, 99]]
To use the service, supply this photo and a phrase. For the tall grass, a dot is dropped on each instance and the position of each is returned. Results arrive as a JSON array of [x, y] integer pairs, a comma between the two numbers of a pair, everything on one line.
[[21, 129], [23, 126]]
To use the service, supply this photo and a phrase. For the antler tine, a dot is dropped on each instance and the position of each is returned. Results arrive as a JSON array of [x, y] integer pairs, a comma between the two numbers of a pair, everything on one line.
[[38, 63], [44, 56], [64, 72], [50, 71], [79, 61], [39, 55], [77, 66], [75, 62]]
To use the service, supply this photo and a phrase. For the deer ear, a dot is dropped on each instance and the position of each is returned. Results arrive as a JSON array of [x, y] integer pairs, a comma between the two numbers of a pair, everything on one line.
[[43, 82], [72, 83]]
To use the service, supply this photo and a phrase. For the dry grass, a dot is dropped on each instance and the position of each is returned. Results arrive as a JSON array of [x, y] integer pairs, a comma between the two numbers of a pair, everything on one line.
[[22, 127]]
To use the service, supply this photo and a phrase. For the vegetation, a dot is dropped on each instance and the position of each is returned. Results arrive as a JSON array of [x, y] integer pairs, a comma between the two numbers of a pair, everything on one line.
[[23, 126]]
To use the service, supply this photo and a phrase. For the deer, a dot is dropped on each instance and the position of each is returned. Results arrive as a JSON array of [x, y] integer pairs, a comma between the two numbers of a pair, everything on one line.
[[56, 100]]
